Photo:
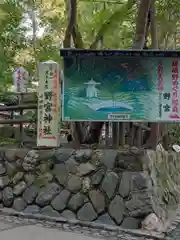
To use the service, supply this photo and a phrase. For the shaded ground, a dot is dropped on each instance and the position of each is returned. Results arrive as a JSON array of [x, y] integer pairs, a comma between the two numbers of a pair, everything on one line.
[[39, 233], [21, 228]]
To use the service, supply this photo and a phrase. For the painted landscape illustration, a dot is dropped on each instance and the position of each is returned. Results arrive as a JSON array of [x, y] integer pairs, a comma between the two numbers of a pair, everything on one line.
[[98, 87]]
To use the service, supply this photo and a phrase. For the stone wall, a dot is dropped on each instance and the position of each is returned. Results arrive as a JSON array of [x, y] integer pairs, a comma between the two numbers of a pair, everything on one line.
[[104, 186], [164, 171]]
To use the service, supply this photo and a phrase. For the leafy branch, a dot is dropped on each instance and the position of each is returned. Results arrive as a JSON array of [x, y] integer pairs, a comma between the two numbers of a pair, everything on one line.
[[119, 15]]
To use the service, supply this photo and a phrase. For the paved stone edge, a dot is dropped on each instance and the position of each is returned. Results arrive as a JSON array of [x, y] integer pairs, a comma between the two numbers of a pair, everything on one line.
[[40, 217]]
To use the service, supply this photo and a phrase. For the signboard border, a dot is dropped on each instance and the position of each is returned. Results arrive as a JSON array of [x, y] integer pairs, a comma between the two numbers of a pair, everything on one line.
[[68, 52]]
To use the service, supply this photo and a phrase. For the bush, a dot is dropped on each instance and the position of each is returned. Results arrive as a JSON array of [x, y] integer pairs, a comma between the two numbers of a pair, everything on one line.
[[174, 132]]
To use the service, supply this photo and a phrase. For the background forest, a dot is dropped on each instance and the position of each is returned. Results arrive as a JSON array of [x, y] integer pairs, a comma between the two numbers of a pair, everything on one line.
[[34, 30]]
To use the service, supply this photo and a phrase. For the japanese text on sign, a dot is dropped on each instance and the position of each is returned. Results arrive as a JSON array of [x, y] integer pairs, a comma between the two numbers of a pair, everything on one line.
[[166, 106], [48, 117], [20, 79], [160, 77], [175, 72]]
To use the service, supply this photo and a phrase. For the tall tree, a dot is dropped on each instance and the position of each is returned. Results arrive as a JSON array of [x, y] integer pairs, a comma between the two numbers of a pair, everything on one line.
[[11, 39], [88, 22]]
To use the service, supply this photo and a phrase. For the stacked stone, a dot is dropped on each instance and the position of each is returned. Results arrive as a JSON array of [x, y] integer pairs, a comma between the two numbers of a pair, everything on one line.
[[103, 186]]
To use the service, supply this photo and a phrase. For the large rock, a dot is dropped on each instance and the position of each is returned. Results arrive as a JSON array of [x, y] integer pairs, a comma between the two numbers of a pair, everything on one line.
[[4, 181], [79, 156], [109, 158], [10, 155], [32, 209], [136, 151], [20, 153], [125, 184], [76, 201], [29, 178], [98, 200], [83, 155], [30, 194], [68, 214], [140, 181], [28, 166], [87, 213], [61, 173], [46, 155], [60, 201], [19, 163], [11, 168], [129, 162], [2, 156], [132, 181], [19, 188], [31, 160], [116, 209], [17, 177], [152, 223], [106, 219], [98, 176], [19, 204], [109, 184], [8, 197], [88, 154], [45, 167], [47, 194], [74, 183], [84, 169], [2, 170], [44, 178], [139, 205], [131, 223], [49, 211], [71, 165], [62, 155]]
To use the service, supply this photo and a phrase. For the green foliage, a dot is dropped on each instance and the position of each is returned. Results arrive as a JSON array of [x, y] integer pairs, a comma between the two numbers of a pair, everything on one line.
[[112, 25], [4, 141], [11, 39], [174, 132]]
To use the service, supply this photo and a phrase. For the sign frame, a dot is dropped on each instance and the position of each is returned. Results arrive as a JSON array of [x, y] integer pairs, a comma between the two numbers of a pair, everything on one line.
[[158, 54], [46, 86]]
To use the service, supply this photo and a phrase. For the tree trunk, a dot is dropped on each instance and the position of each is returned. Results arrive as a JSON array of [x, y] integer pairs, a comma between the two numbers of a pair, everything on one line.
[[82, 132], [90, 133], [141, 24], [154, 38], [155, 127], [71, 9], [140, 42]]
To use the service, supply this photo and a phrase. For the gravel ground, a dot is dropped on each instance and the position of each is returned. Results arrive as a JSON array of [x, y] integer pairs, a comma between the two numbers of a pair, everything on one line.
[[9, 219]]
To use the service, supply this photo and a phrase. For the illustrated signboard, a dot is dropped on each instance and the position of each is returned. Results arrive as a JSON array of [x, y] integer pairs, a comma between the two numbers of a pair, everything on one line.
[[121, 85], [48, 104]]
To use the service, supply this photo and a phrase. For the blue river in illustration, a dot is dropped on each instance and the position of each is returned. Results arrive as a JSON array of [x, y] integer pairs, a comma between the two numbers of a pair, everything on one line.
[[112, 109]]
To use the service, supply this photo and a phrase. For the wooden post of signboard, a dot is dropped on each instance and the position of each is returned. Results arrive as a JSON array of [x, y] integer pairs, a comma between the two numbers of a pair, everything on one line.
[[115, 135], [139, 137], [154, 135], [122, 129], [106, 133]]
